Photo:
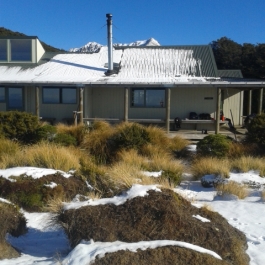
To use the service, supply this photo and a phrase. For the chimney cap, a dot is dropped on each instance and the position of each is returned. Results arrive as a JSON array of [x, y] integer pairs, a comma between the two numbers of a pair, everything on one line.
[[109, 15]]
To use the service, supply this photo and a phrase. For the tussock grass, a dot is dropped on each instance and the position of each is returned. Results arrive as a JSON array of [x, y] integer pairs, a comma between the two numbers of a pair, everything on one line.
[[237, 150], [8, 147], [125, 175], [247, 163], [234, 188], [44, 155], [208, 207], [152, 151], [133, 158], [210, 165], [101, 126], [177, 143], [158, 137], [94, 195], [78, 132], [161, 182], [54, 205]]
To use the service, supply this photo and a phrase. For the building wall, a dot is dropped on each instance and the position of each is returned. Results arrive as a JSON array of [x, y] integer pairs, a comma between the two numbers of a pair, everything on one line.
[[194, 99], [88, 92], [233, 100], [2, 106], [107, 102], [40, 51]]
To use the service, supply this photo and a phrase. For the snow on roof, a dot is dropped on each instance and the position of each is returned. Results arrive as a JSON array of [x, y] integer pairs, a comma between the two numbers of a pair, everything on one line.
[[136, 65]]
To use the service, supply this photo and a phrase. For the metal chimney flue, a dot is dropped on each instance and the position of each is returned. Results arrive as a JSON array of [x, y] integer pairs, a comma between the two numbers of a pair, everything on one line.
[[110, 45]]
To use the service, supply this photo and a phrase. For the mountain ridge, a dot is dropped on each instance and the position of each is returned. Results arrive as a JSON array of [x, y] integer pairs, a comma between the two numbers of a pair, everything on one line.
[[95, 47]]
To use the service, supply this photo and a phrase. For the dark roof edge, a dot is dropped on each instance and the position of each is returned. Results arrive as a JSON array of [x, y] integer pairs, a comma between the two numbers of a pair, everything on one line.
[[18, 37]]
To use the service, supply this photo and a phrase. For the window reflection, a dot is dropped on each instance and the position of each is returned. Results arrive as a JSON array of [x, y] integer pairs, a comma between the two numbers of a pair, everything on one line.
[[20, 50], [146, 97], [15, 98], [53, 95]]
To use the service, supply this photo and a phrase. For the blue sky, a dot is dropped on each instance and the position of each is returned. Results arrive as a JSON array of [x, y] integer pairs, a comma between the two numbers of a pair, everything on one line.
[[72, 23]]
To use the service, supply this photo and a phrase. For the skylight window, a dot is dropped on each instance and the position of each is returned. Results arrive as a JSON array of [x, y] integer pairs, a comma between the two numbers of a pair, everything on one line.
[[21, 50]]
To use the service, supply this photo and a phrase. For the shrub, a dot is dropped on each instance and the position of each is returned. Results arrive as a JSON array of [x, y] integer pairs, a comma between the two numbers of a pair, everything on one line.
[[21, 126], [97, 144], [45, 132], [104, 142], [34, 194], [256, 130], [64, 139], [130, 136], [215, 145]]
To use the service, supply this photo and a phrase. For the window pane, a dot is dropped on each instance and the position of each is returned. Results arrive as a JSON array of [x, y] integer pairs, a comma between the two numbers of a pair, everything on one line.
[[2, 94], [3, 50], [69, 95], [15, 98], [155, 98], [51, 95], [20, 50], [138, 97]]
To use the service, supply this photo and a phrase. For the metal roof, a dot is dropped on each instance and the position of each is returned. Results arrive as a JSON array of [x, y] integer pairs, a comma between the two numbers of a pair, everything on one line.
[[177, 66]]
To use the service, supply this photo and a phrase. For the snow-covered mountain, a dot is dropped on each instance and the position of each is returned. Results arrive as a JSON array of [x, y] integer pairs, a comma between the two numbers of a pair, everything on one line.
[[89, 47], [95, 47], [149, 42]]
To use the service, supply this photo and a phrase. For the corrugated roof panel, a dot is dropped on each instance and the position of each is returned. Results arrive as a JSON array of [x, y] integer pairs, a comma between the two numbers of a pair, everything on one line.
[[230, 73]]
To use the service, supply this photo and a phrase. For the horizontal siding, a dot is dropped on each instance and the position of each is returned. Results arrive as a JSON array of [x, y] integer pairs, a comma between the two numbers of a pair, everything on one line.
[[186, 100], [108, 102], [233, 101], [147, 113]]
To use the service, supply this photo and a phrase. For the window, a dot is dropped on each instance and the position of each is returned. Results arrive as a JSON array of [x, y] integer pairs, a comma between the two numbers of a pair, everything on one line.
[[21, 50], [3, 50], [147, 97], [15, 98], [2, 94], [69, 95], [59, 95]]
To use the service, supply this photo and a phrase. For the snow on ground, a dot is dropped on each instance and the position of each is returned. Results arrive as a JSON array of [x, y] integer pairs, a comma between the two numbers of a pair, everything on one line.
[[34, 172], [45, 243]]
